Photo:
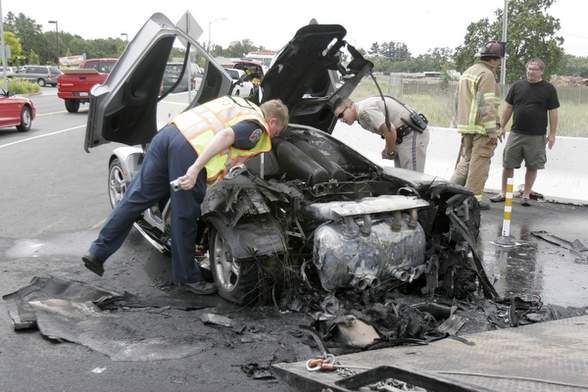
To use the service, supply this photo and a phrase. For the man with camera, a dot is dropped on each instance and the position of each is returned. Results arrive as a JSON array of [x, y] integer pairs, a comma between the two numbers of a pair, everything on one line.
[[197, 147], [404, 130]]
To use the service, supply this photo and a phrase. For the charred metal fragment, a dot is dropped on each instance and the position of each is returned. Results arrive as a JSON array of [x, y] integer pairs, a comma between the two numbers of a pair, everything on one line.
[[251, 238], [487, 287]]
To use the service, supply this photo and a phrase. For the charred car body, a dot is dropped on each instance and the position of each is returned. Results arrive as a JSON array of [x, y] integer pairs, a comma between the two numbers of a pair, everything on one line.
[[312, 208]]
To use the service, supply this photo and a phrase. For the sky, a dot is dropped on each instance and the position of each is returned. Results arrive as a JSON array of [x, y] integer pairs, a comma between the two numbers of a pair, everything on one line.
[[421, 24]]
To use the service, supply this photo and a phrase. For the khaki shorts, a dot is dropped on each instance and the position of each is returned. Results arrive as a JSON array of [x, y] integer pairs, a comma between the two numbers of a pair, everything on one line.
[[531, 148]]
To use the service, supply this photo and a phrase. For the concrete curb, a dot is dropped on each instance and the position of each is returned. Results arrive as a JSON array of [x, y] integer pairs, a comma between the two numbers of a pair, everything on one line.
[[564, 179]]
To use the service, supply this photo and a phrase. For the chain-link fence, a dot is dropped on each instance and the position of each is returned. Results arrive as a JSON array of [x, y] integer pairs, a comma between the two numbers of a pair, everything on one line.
[[435, 97]]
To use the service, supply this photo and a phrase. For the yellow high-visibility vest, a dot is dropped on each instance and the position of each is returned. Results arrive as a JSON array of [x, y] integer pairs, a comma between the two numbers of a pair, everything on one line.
[[200, 124]]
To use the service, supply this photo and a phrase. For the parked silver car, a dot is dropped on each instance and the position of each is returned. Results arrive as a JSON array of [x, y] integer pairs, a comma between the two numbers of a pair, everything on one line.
[[41, 74], [312, 209]]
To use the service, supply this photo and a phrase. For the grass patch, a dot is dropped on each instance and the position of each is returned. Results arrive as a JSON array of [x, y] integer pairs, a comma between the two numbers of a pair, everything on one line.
[[21, 86], [437, 101]]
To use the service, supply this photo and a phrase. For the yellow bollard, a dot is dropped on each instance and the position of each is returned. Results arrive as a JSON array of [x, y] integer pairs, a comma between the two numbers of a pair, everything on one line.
[[506, 216]]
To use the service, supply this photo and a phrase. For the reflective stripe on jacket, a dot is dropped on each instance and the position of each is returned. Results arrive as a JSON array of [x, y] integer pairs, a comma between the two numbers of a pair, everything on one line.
[[200, 124], [477, 101]]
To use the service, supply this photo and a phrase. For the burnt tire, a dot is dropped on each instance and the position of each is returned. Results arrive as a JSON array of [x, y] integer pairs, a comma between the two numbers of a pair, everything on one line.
[[26, 119], [236, 281], [72, 105], [117, 182]]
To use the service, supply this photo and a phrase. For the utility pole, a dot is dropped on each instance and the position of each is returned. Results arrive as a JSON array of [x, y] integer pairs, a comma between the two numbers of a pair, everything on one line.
[[56, 36], [504, 33], [210, 22], [3, 44]]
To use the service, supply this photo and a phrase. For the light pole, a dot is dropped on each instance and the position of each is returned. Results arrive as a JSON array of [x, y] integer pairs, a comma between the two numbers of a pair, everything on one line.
[[56, 36], [210, 28], [504, 33], [4, 80]]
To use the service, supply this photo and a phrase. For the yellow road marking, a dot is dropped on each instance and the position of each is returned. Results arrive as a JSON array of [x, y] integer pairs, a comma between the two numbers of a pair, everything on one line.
[[51, 113]]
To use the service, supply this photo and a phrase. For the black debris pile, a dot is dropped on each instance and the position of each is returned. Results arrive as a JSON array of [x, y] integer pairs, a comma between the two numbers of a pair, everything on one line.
[[103, 320], [351, 321], [22, 312], [257, 371]]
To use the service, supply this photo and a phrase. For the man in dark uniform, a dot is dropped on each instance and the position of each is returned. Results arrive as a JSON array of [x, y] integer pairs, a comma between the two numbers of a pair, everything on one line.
[[198, 146]]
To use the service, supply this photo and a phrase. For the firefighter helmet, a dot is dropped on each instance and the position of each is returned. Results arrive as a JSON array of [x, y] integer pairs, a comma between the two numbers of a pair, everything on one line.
[[493, 49]]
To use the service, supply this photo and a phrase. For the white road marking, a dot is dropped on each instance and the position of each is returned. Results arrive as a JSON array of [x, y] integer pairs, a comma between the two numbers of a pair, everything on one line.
[[42, 136]]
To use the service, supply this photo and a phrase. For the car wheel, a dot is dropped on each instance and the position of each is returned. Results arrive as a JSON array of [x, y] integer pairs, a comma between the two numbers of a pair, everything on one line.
[[41, 82], [72, 105], [26, 119], [236, 281], [117, 184]]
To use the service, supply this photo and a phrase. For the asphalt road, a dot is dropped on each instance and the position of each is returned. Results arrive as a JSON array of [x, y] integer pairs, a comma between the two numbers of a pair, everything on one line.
[[53, 200]]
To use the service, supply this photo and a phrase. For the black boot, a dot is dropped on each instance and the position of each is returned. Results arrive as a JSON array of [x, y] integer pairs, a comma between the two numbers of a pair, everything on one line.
[[94, 264]]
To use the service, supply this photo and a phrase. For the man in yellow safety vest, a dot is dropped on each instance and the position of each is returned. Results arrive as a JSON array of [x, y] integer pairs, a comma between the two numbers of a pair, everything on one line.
[[197, 147]]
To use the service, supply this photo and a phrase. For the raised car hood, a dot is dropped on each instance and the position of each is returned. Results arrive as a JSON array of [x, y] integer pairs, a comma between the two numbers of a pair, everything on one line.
[[304, 75]]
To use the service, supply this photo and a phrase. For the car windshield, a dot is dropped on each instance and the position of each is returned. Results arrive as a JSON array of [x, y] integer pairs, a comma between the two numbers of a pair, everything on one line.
[[233, 73], [100, 66]]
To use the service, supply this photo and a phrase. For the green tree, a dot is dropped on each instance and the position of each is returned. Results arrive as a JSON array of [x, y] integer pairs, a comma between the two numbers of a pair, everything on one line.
[[33, 57], [13, 43], [374, 50], [217, 51], [574, 66], [239, 48], [29, 33], [532, 32], [396, 51]]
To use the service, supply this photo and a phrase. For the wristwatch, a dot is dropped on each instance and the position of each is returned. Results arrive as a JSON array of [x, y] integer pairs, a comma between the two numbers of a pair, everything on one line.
[[389, 155]]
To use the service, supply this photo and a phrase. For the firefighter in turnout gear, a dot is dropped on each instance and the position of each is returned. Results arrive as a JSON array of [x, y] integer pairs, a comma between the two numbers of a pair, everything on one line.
[[478, 120], [197, 147]]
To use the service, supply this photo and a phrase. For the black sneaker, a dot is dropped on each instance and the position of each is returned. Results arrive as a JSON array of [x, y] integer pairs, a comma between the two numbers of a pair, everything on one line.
[[94, 264], [200, 288], [497, 199]]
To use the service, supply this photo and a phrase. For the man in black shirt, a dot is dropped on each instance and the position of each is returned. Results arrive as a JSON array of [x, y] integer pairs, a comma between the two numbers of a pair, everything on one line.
[[531, 101]]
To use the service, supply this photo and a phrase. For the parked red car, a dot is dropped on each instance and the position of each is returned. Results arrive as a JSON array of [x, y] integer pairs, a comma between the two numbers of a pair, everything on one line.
[[74, 85], [16, 111]]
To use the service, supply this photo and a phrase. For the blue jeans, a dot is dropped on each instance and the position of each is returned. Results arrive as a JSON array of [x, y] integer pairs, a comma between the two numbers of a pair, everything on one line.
[[169, 156]]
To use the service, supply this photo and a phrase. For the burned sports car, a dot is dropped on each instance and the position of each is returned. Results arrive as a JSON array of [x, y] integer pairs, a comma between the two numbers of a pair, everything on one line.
[[312, 209]]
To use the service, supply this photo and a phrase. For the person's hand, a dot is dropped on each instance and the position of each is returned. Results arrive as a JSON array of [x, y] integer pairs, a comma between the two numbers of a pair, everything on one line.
[[388, 154], [550, 141], [188, 180], [501, 133]]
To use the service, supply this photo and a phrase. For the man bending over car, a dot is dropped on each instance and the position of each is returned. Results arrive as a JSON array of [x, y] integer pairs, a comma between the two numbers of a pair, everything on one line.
[[197, 147]]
